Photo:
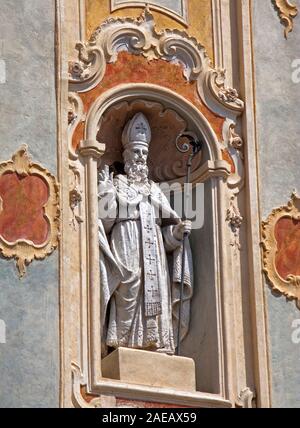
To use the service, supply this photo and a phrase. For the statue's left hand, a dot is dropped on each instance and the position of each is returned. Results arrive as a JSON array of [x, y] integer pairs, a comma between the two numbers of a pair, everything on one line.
[[185, 227]]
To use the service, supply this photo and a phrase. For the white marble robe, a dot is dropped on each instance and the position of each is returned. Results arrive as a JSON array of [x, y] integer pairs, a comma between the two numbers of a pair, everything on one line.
[[124, 322]]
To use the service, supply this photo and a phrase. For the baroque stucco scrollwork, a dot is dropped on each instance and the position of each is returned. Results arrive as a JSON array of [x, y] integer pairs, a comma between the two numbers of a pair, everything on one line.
[[287, 12], [280, 242], [81, 399], [29, 196], [140, 37], [75, 196], [235, 145], [246, 399], [235, 221]]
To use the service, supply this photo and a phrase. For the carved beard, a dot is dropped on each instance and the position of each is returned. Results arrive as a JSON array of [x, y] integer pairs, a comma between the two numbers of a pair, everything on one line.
[[136, 173]]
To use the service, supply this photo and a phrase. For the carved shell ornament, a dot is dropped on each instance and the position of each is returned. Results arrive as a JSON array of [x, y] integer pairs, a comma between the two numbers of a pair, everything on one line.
[[281, 249]]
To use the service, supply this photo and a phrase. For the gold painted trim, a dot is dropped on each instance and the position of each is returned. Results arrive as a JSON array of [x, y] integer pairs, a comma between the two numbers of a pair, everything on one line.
[[287, 12], [22, 250], [291, 286]]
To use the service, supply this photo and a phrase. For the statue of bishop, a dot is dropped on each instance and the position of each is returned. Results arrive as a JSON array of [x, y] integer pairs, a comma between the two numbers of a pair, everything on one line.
[[140, 239]]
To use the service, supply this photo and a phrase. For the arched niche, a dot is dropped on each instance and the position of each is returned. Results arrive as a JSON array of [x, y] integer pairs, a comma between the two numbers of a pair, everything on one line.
[[165, 161], [204, 341], [195, 119]]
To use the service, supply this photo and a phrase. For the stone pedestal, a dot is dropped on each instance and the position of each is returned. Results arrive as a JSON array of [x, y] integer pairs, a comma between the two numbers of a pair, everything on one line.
[[150, 368]]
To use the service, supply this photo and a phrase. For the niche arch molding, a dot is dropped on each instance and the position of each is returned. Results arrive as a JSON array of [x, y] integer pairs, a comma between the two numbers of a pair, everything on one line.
[[135, 91]]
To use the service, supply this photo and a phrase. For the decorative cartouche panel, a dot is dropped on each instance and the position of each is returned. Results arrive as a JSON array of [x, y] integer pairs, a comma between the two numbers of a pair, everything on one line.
[[29, 210], [281, 249]]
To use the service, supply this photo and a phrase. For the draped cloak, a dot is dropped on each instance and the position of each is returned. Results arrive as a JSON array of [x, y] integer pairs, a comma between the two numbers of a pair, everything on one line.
[[126, 263]]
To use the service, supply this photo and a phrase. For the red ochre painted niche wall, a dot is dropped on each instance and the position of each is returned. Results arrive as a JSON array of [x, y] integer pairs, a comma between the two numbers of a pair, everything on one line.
[[287, 234], [131, 68], [22, 208]]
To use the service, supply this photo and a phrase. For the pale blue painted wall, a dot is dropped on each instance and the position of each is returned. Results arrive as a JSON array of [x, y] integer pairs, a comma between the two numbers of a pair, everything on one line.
[[278, 118], [29, 361]]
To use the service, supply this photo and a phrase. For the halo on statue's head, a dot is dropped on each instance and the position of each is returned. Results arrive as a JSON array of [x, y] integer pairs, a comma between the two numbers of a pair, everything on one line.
[[136, 132]]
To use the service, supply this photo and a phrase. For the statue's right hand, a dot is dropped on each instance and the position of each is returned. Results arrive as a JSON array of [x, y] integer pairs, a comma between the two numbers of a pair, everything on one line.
[[105, 176], [106, 180]]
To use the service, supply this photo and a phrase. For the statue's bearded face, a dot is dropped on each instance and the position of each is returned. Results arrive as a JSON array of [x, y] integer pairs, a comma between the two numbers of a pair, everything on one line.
[[135, 160]]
